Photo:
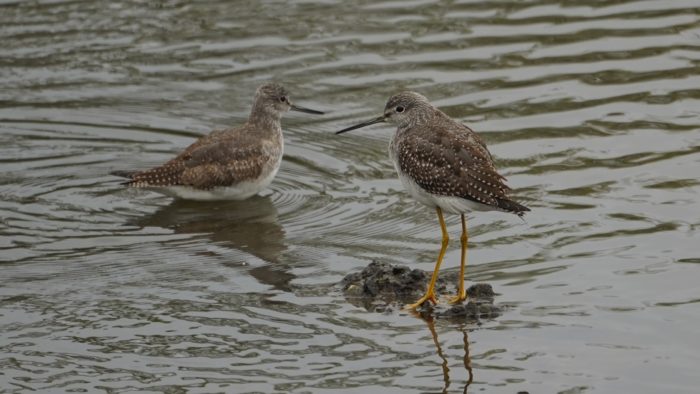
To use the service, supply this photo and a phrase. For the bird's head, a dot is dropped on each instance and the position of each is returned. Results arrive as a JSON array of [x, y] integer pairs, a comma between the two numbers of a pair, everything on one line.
[[402, 109], [274, 97]]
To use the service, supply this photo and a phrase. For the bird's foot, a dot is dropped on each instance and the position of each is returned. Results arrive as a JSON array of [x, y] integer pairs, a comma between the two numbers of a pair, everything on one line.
[[429, 296], [461, 296]]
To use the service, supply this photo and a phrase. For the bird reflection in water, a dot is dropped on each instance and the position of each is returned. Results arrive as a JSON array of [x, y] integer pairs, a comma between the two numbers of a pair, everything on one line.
[[249, 225], [430, 321]]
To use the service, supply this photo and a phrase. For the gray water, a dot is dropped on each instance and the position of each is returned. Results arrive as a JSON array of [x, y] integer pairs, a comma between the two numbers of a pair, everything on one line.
[[590, 108]]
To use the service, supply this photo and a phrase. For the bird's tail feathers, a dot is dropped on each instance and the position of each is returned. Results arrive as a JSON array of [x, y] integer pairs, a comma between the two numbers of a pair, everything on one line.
[[513, 207], [123, 173]]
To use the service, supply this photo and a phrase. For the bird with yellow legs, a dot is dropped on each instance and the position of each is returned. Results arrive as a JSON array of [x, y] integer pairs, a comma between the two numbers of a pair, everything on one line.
[[446, 166]]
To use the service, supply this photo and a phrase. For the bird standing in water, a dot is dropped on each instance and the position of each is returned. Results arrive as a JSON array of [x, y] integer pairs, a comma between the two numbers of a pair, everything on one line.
[[445, 165], [231, 164]]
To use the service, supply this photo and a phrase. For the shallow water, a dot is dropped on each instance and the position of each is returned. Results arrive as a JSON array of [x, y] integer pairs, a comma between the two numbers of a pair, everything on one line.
[[590, 108]]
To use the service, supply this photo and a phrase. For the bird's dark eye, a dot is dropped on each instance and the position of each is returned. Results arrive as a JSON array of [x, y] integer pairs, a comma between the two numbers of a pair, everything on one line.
[[283, 99], [399, 109]]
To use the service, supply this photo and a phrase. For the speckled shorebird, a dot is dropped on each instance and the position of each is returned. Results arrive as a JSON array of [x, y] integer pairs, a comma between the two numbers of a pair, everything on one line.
[[231, 164], [444, 165]]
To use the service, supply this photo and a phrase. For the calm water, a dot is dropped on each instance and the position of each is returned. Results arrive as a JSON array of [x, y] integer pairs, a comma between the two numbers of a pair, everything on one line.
[[591, 110]]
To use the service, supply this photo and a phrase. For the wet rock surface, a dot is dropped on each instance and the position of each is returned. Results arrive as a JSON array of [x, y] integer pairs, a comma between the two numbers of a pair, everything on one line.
[[383, 287]]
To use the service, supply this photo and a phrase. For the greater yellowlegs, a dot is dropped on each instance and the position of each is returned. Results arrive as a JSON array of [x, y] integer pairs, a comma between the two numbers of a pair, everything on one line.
[[231, 164], [444, 165]]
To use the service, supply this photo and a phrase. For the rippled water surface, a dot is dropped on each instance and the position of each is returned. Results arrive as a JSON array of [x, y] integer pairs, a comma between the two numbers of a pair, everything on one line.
[[590, 108]]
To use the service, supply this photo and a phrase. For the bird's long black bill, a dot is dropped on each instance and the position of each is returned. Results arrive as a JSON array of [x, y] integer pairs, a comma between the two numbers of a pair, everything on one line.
[[305, 110], [363, 124]]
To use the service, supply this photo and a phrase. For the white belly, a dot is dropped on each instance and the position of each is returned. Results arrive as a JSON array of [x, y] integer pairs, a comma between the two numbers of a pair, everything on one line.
[[239, 191]]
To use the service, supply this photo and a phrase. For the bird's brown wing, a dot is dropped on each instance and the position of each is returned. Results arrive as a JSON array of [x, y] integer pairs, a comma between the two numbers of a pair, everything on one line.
[[476, 137], [453, 161], [214, 160], [168, 174], [226, 163]]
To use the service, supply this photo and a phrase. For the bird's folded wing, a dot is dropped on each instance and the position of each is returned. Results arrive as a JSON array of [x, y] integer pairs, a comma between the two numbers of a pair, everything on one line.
[[224, 163], [454, 164], [208, 163]]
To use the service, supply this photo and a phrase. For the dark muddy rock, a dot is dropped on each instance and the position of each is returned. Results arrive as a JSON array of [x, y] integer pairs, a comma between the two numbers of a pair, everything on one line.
[[383, 287], [388, 283]]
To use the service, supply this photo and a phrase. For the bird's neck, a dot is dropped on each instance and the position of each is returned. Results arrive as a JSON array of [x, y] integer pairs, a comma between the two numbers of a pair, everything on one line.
[[265, 118]]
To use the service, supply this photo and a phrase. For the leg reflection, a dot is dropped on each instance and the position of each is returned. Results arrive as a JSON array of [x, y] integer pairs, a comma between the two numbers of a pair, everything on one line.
[[430, 321], [436, 341], [467, 359]]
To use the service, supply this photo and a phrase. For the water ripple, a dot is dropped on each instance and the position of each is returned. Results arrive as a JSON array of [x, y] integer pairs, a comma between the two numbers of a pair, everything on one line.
[[590, 110]]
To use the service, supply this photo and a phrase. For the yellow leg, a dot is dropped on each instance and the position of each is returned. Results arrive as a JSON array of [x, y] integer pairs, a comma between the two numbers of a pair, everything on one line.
[[461, 292], [430, 293]]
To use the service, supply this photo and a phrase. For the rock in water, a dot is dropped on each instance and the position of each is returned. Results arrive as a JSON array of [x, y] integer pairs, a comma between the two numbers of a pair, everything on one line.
[[383, 287]]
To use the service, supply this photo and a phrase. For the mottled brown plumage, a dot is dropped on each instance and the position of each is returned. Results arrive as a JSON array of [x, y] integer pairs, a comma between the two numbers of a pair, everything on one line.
[[437, 156], [222, 158], [445, 165], [446, 158], [235, 163]]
